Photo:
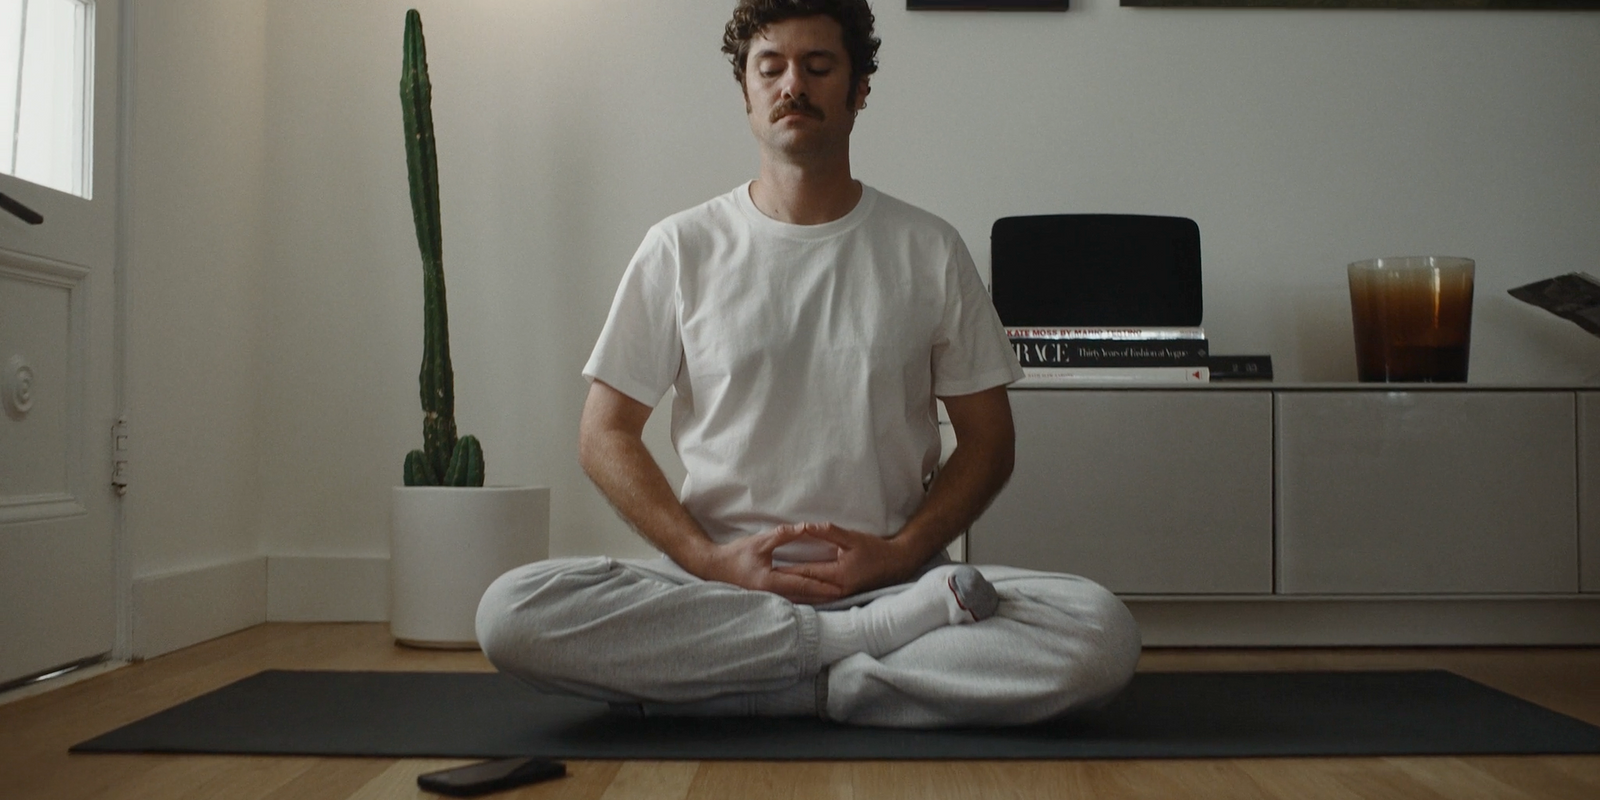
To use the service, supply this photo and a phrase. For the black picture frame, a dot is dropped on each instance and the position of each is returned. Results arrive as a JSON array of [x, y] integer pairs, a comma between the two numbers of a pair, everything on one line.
[[1442, 5], [987, 5]]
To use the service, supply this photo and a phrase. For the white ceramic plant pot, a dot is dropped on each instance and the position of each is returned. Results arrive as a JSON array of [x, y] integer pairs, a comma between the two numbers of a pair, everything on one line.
[[447, 544]]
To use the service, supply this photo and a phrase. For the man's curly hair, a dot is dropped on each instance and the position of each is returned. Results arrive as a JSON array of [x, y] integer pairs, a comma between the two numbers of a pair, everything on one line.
[[854, 16]]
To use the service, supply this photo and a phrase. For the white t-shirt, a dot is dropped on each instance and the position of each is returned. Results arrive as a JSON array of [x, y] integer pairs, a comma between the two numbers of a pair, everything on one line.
[[805, 358]]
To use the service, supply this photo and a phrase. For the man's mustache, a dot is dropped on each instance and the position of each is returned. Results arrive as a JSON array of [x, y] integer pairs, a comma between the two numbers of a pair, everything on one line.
[[796, 105]]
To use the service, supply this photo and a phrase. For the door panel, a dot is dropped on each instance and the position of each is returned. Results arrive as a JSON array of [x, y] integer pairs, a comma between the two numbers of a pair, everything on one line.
[[1427, 492], [58, 588]]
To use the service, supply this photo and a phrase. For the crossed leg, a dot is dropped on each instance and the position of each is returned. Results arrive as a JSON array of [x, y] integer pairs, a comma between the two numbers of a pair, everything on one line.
[[645, 631]]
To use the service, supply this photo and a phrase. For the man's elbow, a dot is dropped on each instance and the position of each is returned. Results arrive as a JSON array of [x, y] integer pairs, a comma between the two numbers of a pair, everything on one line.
[[599, 448], [592, 444], [1005, 459], [994, 456], [588, 450]]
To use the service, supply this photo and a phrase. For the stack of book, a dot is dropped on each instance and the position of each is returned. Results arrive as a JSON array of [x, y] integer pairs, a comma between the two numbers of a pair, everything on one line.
[[1075, 355], [1057, 356]]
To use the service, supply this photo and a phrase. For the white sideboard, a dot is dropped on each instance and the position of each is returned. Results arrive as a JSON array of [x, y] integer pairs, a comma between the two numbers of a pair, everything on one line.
[[1341, 514]]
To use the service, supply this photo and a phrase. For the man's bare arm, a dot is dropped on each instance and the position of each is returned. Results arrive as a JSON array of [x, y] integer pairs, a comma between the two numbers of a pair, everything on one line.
[[613, 454], [971, 478], [978, 468]]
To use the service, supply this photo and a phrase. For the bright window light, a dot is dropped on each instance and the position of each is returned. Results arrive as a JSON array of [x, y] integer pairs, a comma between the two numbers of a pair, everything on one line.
[[47, 92]]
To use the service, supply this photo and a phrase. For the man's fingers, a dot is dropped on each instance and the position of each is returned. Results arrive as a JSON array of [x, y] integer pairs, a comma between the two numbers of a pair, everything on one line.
[[821, 571], [802, 588], [833, 534], [792, 579], [778, 537]]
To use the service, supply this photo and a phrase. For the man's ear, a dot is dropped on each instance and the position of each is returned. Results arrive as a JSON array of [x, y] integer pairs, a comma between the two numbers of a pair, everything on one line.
[[862, 90]]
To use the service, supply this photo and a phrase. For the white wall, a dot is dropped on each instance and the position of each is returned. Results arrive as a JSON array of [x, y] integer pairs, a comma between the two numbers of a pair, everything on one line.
[[1299, 140], [193, 259]]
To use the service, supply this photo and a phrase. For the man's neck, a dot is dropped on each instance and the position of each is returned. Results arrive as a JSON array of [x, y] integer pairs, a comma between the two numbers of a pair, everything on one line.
[[805, 195]]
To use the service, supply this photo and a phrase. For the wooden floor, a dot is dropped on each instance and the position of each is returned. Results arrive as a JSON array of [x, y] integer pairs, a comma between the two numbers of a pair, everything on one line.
[[36, 731]]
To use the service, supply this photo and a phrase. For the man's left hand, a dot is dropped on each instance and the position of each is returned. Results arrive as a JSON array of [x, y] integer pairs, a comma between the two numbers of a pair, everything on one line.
[[865, 562]]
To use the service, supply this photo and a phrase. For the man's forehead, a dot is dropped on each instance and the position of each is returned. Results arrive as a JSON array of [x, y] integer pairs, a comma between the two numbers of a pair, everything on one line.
[[799, 36]]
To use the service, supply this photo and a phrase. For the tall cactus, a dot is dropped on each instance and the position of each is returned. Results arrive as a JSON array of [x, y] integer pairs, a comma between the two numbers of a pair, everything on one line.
[[444, 459]]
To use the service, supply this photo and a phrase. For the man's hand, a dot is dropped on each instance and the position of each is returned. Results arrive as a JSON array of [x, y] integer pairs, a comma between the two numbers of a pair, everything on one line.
[[747, 562], [865, 562]]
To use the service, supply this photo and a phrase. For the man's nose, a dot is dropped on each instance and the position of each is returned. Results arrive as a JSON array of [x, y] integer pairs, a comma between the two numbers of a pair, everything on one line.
[[792, 82]]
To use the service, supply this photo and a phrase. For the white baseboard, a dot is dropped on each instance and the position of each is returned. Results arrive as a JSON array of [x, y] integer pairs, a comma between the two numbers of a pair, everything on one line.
[[1368, 622], [176, 609], [327, 589]]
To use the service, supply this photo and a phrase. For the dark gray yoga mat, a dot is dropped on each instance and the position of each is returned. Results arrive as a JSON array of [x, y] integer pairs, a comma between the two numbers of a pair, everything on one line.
[[1160, 715]]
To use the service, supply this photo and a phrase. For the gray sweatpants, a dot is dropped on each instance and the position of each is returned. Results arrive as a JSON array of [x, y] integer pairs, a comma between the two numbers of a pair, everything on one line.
[[646, 631]]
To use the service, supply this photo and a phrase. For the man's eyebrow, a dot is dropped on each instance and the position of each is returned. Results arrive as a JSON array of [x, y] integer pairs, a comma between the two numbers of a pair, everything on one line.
[[770, 53]]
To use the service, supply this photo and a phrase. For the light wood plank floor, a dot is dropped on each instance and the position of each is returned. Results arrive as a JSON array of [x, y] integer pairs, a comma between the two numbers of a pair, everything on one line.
[[36, 731]]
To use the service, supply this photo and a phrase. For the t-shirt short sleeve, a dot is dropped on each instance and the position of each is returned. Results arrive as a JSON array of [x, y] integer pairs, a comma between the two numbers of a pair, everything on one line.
[[640, 351], [971, 352]]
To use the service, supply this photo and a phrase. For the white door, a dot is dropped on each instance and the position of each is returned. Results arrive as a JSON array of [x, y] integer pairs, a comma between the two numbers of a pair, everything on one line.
[[58, 595]]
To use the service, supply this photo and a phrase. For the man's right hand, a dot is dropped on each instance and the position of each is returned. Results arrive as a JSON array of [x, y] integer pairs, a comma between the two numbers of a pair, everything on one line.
[[747, 562]]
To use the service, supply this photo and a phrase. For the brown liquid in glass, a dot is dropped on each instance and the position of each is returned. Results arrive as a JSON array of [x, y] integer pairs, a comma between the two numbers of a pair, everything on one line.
[[1411, 326]]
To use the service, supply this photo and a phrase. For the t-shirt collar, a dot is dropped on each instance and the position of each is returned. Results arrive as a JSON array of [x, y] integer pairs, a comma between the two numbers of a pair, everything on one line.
[[811, 232]]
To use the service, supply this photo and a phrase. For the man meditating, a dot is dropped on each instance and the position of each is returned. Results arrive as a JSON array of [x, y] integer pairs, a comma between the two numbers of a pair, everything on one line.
[[806, 322]]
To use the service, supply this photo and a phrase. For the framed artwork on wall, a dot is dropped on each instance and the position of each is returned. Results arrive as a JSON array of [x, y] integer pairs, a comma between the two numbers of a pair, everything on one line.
[[987, 5], [1500, 5]]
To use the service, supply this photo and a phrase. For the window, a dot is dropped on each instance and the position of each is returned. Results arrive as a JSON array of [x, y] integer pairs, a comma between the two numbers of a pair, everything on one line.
[[46, 89]]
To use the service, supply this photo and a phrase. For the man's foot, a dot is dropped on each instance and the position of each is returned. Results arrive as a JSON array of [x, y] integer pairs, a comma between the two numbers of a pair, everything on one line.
[[955, 594], [973, 592]]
